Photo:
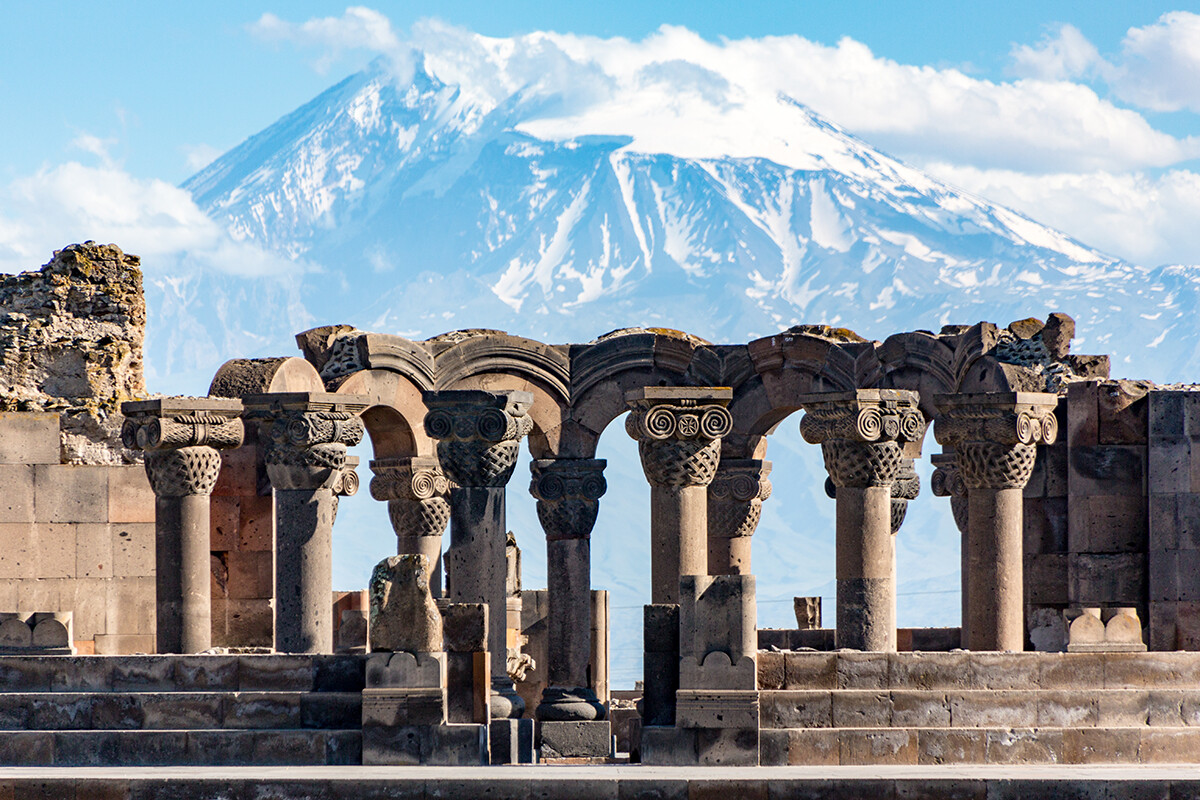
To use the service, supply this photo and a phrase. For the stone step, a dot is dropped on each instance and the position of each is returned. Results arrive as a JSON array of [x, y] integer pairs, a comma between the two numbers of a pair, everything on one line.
[[183, 673], [61, 711], [962, 670], [936, 746], [181, 747], [980, 708]]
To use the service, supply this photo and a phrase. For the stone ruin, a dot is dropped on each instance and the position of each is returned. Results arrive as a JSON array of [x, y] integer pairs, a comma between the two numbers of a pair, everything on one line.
[[188, 584]]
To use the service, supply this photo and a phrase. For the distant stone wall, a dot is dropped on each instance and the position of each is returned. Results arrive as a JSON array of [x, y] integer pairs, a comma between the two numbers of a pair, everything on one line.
[[71, 339]]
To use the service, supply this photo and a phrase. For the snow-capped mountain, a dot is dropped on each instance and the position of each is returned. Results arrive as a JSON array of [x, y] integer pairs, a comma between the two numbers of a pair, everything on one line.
[[431, 201]]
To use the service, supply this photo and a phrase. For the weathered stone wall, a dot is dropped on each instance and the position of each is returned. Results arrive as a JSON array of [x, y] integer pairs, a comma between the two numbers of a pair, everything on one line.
[[71, 339]]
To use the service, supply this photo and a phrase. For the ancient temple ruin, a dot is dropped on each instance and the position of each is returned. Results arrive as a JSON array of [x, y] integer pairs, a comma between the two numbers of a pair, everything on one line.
[[181, 609]]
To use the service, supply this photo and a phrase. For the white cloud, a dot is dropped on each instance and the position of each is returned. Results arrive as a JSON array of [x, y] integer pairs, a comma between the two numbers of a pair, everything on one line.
[[1160, 64], [199, 156], [1063, 56], [1142, 218], [358, 28], [73, 202]]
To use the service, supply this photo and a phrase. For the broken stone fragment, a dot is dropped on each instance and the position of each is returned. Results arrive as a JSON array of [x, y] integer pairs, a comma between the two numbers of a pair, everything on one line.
[[404, 616]]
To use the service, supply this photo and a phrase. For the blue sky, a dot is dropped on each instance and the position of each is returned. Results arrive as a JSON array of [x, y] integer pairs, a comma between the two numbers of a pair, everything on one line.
[[1082, 115]]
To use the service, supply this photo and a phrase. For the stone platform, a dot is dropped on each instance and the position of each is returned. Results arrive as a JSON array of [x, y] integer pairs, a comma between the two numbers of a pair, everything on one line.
[[601, 783]]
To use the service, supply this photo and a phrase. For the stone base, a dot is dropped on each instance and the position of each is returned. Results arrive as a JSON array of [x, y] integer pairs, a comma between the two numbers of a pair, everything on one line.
[[574, 739], [511, 741], [412, 745], [1107, 647], [714, 747]]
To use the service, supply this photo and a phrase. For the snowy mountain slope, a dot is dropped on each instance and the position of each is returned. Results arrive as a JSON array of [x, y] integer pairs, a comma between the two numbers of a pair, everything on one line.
[[427, 204]]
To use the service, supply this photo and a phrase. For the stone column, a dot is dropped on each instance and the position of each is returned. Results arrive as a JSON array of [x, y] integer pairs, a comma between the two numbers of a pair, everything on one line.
[[735, 499], [946, 482], [862, 434], [306, 436], [679, 432], [416, 492], [478, 437], [568, 491], [181, 437], [995, 438]]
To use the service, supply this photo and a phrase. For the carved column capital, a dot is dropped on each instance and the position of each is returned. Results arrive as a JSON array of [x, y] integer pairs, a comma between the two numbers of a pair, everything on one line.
[[306, 436], [995, 435], [905, 487], [736, 495], [417, 494], [862, 433], [181, 437], [679, 430], [568, 491], [478, 433]]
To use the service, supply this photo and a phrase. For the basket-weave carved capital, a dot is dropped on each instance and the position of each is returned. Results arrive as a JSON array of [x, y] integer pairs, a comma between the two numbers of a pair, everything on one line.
[[181, 437], [861, 433], [736, 495], [995, 436], [416, 492], [905, 487], [679, 432], [568, 491], [478, 433]]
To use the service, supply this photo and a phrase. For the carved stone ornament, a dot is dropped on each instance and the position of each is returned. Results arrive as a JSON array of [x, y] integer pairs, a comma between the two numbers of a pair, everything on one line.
[[905, 487], [416, 492], [736, 495], [861, 433], [679, 432], [306, 436], [478, 433], [995, 436], [568, 491], [181, 437], [947, 482]]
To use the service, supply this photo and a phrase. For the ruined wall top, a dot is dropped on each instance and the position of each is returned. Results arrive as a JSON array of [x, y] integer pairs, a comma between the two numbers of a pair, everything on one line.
[[71, 338]]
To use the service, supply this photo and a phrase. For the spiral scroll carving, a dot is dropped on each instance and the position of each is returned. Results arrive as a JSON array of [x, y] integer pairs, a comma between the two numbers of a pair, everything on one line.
[[568, 492], [478, 441], [183, 471], [679, 439], [735, 497]]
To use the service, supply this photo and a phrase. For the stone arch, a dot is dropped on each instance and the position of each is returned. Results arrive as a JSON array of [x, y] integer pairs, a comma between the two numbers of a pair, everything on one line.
[[919, 361], [395, 415], [632, 358], [495, 361]]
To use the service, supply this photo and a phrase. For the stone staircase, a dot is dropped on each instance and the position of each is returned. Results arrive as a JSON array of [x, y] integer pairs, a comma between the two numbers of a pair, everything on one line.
[[979, 708], [170, 710]]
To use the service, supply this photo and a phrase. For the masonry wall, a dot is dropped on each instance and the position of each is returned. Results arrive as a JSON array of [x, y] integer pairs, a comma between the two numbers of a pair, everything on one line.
[[76, 538]]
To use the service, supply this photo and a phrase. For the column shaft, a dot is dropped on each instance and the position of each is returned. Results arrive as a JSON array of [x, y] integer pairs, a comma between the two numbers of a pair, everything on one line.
[[569, 622], [678, 536], [183, 576], [431, 548], [995, 568], [866, 569], [303, 570], [729, 556]]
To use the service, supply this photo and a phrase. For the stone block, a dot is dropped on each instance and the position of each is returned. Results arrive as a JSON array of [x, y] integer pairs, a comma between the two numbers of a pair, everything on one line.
[[796, 709], [1023, 746], [1107, 470], [574, 739], [1189, 709], [862, 670], [56, 547], [1163, 634], [81, 674], [112, 644], [403, 707], [1178, 670], [177, 710], [1123, 408], [211, 672], [928, 671], [133, 550], [878, 747], [262, 710], [669, 746], [339, 673], [770, 670], [85, 749], [93, 550], [60, 712], [1167, 414], [18, 557], [1169, 467], [151, 748], [464, 627], [1083, 414], [29, 437], [920, 709], [144, 674], [1163, 522], [246, 623], [1065, 708], [1187, 626], [224, 514], [727, 747], [256, 524], [16, 504], [1129, 708], [810, 671], [306, 748], [53, 632], [1165, 708], [993, 709], [941, 746], [16, 632], [251, 574], [1101, 746], [822, 639], [278, 672], [1004, 670], [1187, 521], [510, 741], [1169, 747], [458, 745], [862, 709], [1120, 578], [936, 640], [220, 747], [27, 748], [131, 606], [1046, 579], [406, 670], [239, 473], [331, 710], [70, 493], [1113, 524], [130, 498], [813, 747], [717, 708]]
